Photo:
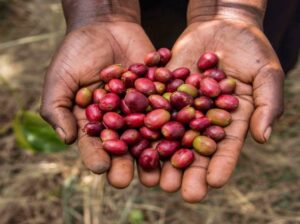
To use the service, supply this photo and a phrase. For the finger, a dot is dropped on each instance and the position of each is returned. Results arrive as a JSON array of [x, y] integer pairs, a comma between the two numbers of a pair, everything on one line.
[[68, 70], [121, 172], [92, 154], [149, 178], [180, 59], [137, 46], [55, 108], [194, 185], [268, 101], [171, 177], [225, 159]]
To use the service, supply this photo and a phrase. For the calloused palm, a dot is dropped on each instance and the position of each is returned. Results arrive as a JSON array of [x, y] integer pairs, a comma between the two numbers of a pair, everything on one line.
[[84, 52], [246, 55]]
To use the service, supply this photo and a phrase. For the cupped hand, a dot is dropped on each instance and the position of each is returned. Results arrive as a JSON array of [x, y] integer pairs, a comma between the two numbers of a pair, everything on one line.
[[247, 56], [84, 52]]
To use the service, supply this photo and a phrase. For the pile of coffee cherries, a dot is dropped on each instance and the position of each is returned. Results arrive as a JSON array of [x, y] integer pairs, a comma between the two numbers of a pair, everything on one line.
[[157, 114]]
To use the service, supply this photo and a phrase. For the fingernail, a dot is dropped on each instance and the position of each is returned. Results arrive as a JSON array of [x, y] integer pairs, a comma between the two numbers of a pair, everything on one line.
[[61, 134], [267, 133]]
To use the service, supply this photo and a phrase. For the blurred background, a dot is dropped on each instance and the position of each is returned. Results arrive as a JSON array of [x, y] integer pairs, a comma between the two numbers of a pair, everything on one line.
[[48, 183]]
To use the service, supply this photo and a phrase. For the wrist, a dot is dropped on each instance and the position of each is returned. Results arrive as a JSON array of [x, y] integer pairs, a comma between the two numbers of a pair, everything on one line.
[[251, 12], [79, 13]]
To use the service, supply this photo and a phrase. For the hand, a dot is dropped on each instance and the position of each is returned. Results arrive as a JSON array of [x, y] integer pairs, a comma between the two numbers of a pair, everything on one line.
[[246, 55], [85, 51]]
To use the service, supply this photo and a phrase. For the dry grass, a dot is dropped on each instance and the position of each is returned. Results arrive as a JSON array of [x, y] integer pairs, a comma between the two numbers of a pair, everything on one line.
[[39, 188]]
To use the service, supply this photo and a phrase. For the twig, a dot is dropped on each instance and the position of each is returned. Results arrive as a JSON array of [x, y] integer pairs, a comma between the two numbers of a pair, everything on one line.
[[162, 218], [30, 39], [126, 210], [252, 214], [93, 187], [128, 205], [96, 201], [242, 200], [148, 207]]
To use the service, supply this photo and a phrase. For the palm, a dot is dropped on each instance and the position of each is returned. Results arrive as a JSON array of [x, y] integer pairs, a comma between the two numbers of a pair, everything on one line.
[[246, 55], [81, 56], [87, 50], [244, 49]]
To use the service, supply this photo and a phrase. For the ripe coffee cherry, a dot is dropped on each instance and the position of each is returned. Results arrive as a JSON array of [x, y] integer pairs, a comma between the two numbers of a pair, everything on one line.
[[159, 87], [173, 130], [93, 112], [145, 86], [181, 73], [219, 117], [116, 86], [182, 158], [139, 69], [200, 124], [113, 120], [149, 134], [188, 138], [181, 99], [150, 73], [185, 115], [128, 78], [110, 102], [115, 147], [136, 101], [157, 118], [198, 114], [207, 60], [152, 59], [189, 89], [93, 128], [174, 84], [227, 86], [135, 120], [215, 132], [159, 102], [194, 80], [83, 97], [165, 55], [124, 108], [216, 74], [210, 87], [203, 103], [137, 149], [111, 72], [131, 136], [163, 75], [167, 148], [204, 145], [167, 96], [108, 134], [98, 95], [227, 102], [149, 159]]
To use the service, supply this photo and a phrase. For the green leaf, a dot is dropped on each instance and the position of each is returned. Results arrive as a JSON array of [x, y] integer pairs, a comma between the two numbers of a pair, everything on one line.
[[33, 133], [136, 216]]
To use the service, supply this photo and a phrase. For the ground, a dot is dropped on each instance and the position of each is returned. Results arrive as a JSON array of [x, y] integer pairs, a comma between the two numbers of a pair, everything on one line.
[[56, 188]]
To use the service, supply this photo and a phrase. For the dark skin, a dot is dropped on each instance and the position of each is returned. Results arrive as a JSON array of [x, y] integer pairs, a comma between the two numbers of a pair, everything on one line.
[[245, 54], [77, 64], [259, 82]]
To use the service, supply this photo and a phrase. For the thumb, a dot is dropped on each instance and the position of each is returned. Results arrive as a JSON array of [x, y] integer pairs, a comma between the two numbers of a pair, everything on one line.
[[268, 99], [56, 108]]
